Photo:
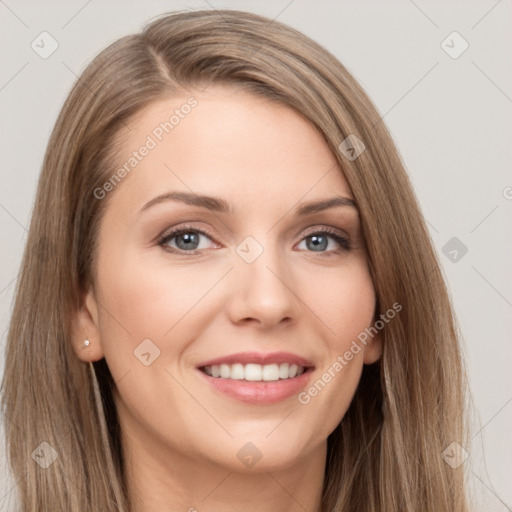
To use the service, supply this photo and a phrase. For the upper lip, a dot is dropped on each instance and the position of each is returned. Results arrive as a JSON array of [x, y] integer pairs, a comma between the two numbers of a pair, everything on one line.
[[258, 358]]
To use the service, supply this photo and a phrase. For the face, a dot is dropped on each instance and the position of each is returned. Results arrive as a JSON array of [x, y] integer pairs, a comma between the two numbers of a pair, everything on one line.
[[220, 317]]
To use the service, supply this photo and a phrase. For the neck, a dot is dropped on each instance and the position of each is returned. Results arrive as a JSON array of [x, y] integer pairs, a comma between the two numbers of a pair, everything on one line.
[[161, 478]]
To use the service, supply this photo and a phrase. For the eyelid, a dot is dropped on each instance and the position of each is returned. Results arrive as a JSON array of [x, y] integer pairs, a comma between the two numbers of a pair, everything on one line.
[[186, 227], [340, 236], [326, 228], [174, 231]]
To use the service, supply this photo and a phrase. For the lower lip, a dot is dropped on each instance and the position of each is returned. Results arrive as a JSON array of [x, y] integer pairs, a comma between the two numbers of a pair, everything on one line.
[[259, 392]]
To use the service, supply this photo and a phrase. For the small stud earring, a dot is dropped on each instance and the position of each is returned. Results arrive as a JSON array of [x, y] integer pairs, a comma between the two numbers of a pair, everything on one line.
[[86, 343]]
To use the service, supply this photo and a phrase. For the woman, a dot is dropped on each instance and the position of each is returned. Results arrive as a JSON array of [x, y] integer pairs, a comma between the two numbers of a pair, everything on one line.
[[229, 297]]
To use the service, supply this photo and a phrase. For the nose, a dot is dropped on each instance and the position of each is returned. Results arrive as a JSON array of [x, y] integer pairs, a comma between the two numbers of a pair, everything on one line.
[[262, 290]]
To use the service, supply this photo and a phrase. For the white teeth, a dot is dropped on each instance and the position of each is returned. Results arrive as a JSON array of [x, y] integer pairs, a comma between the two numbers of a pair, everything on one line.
[[283, 371], [254, 372], [237, 372], [225, 371], [271, 372]]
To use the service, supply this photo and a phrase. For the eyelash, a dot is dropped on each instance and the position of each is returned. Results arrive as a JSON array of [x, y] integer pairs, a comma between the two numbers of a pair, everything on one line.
[[340, 239]]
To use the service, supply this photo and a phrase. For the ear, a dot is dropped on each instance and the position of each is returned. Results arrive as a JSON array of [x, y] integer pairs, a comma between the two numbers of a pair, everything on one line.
[[373, 349], [85, 326]]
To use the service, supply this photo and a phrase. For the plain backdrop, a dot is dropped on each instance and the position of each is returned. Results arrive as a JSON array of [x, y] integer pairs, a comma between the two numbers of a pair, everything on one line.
[[450, 116]]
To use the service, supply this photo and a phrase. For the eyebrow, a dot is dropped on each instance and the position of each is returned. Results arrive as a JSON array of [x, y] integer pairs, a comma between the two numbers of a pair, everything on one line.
[[216, 204]]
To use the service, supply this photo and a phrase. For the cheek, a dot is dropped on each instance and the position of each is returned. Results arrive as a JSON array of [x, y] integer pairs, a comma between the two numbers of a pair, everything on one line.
[[151, 310], [345, 303], [149, 298]]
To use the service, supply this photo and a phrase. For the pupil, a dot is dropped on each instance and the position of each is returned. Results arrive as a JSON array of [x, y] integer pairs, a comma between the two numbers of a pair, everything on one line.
[[189, 239], [315, 240]]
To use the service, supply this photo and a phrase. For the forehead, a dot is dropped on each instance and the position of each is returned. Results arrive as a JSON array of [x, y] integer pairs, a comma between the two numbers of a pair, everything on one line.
[[226, 142]]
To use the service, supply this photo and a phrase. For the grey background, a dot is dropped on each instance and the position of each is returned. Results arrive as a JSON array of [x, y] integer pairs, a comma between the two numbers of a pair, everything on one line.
[[451, 119]]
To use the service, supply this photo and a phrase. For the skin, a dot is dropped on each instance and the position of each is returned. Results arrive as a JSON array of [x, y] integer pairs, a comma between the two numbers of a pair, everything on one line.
[[180, 436]]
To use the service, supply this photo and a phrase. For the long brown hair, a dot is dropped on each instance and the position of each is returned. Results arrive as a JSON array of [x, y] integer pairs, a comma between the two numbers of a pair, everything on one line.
[[386, 454]]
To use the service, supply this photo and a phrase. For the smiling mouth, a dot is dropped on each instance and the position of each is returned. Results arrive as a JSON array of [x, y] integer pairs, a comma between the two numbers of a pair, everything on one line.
[[255, 372]]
